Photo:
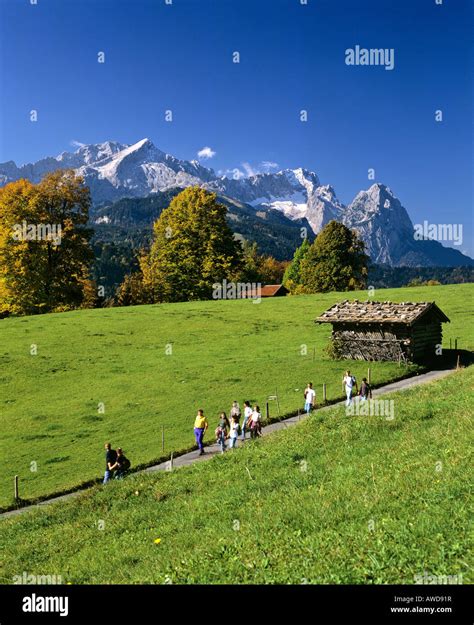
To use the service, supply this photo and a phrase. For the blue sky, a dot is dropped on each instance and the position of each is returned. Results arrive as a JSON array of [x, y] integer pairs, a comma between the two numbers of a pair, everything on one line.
[[292, 57]]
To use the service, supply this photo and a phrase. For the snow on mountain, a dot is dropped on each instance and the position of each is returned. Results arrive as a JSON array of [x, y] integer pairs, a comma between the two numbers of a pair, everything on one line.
[[114, 170]]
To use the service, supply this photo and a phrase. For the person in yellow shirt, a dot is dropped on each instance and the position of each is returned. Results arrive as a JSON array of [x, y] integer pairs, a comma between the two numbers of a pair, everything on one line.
[[200, 426]]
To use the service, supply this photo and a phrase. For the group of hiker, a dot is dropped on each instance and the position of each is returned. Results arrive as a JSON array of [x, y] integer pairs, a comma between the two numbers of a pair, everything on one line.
[[349, 384], [236, 425], [230, 429]]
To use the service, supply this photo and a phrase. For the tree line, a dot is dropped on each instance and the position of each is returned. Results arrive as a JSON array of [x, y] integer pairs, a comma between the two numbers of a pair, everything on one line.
[[46, 252]]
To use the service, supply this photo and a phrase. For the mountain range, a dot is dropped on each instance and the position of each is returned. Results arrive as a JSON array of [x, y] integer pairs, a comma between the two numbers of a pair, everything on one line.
[[114, 171]]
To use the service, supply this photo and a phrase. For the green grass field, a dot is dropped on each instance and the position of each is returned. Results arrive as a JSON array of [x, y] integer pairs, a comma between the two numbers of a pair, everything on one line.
[[50, 414], [335, 499]]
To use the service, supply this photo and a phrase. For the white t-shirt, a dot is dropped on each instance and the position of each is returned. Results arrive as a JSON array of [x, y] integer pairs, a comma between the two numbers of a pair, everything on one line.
[[247, 412], [349, 381], [234, 429], [256, 416], [310, 395]]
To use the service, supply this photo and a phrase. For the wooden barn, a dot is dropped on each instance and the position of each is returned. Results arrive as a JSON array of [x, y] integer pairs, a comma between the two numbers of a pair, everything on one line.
[[406, 331]]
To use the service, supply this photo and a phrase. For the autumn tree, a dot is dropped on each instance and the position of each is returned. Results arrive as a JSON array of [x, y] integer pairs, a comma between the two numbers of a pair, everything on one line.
[[132, 291], [193, 248], [336, 261], [44, 244], [292, 275]]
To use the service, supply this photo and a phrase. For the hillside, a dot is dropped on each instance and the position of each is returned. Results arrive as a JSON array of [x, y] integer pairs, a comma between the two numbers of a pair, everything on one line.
[[274, 233], [106, 374], [335, 499]]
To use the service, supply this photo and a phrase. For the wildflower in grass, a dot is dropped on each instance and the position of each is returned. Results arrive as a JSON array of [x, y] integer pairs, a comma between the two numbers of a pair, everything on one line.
[[157, 541]]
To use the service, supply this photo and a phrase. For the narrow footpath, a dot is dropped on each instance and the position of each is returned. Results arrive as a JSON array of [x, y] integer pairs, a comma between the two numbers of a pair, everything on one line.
[[214, 449]]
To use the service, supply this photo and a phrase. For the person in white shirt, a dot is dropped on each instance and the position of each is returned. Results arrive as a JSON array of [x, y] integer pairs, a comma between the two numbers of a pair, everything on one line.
[[309, 397], [349, 382], [234, 431], [255, 422], [246, 421]]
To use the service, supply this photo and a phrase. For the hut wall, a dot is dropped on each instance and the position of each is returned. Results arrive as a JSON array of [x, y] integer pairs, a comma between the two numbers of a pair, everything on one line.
[[372, 341], [426, 336]]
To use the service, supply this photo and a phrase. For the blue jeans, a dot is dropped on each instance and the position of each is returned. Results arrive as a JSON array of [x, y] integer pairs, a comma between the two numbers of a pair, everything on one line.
[[308, 406], [233, 442], [221, 441], [107, 476], [199, 435]]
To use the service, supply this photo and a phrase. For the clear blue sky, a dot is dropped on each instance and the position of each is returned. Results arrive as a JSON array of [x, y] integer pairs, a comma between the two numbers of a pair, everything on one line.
[[179, 57]]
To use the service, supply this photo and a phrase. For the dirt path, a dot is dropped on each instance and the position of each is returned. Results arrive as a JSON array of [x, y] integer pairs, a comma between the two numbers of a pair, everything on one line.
[[212, 450]]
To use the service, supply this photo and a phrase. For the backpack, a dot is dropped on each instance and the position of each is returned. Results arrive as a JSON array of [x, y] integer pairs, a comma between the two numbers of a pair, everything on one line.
[[125, 466]]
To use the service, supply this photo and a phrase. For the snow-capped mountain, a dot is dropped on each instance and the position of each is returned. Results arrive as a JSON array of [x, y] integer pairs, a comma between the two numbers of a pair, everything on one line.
[[115, 170]]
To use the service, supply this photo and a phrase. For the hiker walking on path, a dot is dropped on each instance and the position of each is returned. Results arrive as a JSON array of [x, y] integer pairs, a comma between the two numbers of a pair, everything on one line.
[[349, 382], [255, 422], [221, 431], [122, 464], [309, 397], [110, 460], [235, 410], [365, 390], [200, 426], [246, 421], [234, 431]]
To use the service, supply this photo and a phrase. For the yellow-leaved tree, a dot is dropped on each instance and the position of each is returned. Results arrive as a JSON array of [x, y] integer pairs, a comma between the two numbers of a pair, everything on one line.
[[44, 244], [193, 248]]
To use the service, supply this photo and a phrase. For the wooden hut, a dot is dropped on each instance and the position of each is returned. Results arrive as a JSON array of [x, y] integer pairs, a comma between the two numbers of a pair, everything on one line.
[[408, 331]]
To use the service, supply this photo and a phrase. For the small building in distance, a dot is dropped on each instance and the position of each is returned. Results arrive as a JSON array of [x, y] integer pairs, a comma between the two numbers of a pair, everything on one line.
[[269, 290], [406, 331]]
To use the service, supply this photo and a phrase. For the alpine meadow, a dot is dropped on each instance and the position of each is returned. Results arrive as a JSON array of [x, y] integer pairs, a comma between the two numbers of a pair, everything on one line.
[[236, 312]]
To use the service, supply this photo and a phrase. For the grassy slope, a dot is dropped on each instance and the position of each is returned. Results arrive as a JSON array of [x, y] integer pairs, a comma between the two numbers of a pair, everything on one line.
[[336, 499], [221, 350]]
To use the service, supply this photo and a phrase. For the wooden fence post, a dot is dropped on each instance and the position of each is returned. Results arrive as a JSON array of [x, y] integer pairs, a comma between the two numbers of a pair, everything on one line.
[[267, 412], [171, 462], [368, 375], [455, 343], [15, 488], [324, 393], [162, 438]]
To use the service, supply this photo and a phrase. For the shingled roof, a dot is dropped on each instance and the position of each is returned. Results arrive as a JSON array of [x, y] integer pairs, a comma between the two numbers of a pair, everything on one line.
[[379, 312]]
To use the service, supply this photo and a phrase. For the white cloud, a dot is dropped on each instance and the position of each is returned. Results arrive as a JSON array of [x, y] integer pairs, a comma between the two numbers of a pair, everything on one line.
[[206, 153], [245, 170], [76, 144], [268, 165]]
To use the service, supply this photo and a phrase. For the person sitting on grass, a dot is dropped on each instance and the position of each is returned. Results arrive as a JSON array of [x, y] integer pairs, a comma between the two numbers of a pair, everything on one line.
[[122, 465], [365, 390], [200, 426], [255, 422], [221, 431], [110, 460]]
